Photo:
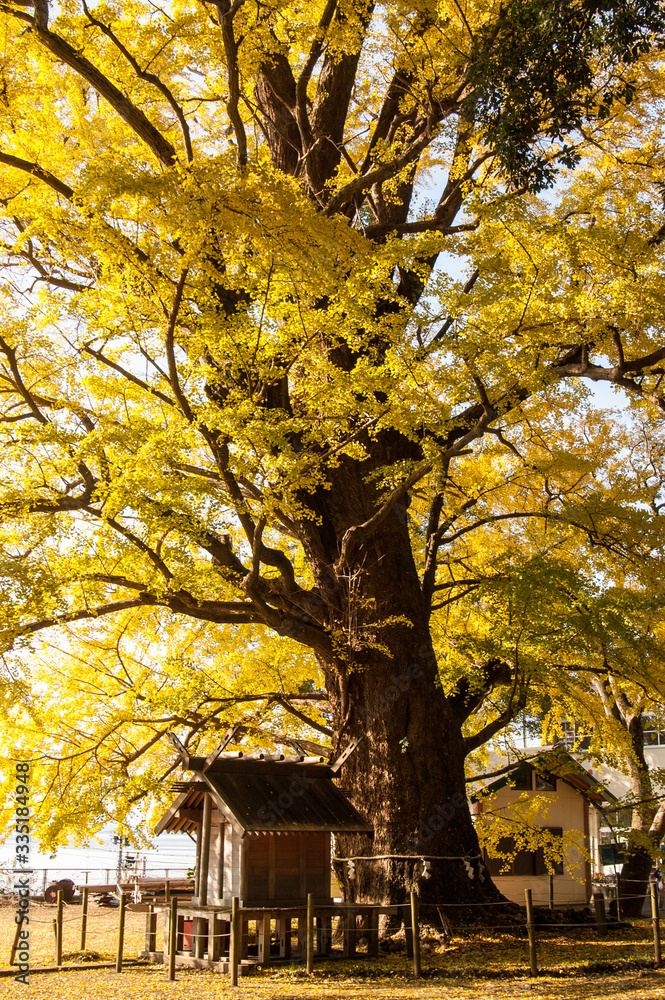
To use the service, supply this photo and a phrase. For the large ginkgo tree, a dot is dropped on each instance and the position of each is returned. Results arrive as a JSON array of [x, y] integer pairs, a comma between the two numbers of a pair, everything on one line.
[[239, 367]]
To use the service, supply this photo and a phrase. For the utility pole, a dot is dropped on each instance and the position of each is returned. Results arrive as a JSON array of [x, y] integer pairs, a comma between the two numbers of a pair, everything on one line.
[[121, 842]]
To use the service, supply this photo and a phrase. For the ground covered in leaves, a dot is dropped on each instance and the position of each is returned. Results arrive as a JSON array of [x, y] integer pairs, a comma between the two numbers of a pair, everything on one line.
[[483, 966], [147, 983]]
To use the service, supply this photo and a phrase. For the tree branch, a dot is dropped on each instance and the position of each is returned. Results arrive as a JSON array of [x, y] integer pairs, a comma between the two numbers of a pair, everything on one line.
[[302, 117], [492, 728], [458, 439], [28, 398], [39, 172], [577, 365], [283, 701], [127, 374], [148, 77], [137, 542], [77, 616], [174, 379], [492, 519], [469, 695], [431, 548], [138, 122], [226, 13]]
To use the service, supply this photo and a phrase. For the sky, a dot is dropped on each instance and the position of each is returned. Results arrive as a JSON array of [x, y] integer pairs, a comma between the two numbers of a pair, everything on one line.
[[173, 851]]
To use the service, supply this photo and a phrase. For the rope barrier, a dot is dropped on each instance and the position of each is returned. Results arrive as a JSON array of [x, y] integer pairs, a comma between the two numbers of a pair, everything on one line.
[[411, 857]]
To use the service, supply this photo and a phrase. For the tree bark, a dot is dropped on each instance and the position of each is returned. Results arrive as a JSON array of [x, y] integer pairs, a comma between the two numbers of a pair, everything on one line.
[[642, 841], [407, 774]]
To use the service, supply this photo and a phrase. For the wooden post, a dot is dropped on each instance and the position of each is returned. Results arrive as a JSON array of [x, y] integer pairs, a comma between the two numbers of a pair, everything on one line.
[[373, 933], [84, 919], [284, 932], [167, 891], [350, 935], [173, 938], [17, 938], [618, 895], [214, 938], [408, 933], [236, 946], [310, 933], [601, 917], [198, 937], [151, 930], [204, 860], [203, 867], [58, 930], [551, 892], [655, 918], [415, 930], [121, 933], [197, 863], [531, 931], [263, 926]]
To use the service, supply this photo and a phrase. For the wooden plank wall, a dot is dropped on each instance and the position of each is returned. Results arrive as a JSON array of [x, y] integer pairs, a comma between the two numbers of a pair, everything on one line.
[[286, 866]]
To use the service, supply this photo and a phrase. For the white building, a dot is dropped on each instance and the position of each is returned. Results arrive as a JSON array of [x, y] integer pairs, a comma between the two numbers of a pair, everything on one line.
[[558, 795]]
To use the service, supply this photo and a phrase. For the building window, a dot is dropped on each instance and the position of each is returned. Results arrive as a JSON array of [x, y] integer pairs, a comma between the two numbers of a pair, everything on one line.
[[653, 736], [545, 782], [522, 780], [573, 736], [524, 863], [528, 780]]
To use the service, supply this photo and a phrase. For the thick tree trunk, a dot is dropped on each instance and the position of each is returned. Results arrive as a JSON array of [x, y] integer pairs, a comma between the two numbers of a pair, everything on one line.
[[639, 857], [407, 777], [634, 881], [407, 774]]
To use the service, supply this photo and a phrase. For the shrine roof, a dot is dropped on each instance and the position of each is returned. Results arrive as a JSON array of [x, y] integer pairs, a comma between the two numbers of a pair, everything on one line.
[[265, 796]]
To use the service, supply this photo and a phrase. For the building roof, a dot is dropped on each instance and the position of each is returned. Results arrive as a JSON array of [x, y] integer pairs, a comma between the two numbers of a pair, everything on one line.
[[555, 761], [262, 796]]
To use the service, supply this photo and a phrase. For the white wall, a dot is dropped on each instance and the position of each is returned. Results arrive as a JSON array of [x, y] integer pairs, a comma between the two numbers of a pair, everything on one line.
[[232, 851], [563, 808]]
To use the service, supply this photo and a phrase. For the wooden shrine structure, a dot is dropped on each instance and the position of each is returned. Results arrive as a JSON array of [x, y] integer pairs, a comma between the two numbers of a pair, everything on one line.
[[263, 826]]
